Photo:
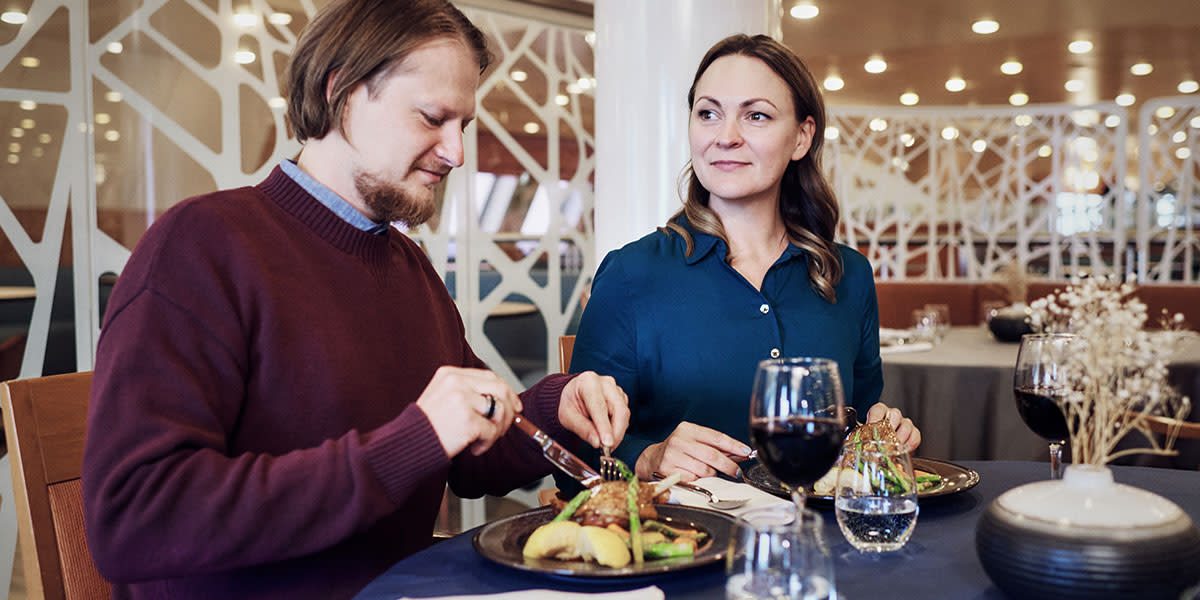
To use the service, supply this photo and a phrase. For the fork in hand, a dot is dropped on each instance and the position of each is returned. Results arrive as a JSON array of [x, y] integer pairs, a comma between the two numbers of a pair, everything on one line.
[[609, 470]]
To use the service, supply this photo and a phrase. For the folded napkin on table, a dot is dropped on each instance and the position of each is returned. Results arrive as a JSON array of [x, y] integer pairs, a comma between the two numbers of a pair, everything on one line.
[[760, 501], [911, 347], [646, 593]]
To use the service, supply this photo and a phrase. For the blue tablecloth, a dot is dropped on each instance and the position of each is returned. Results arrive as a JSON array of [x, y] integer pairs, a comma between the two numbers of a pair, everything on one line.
[[939, 560]]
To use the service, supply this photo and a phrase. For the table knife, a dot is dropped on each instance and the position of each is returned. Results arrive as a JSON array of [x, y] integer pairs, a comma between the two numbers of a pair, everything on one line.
[[558, 455]]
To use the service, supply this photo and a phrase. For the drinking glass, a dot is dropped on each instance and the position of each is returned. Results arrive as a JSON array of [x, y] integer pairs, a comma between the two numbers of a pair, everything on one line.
[[768, 560], [797, 421], [942, 324], [876, 496], [1039, 384], [926, 325]]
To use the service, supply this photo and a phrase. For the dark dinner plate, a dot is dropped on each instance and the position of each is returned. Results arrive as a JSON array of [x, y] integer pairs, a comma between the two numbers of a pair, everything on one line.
[[501, 542], [955, 479]]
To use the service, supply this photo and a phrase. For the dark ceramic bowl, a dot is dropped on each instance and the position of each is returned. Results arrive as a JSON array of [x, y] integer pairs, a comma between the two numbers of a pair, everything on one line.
[[1008, 327]]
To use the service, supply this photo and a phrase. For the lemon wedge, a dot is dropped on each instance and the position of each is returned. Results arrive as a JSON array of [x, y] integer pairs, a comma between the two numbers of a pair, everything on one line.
[[603, 546], [554, 540]]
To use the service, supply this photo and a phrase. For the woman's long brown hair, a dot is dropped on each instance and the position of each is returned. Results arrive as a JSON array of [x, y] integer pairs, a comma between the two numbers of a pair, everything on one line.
[[806, 202]]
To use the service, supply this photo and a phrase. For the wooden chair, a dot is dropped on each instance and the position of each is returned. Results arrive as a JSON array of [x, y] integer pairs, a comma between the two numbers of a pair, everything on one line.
[[566, 344], [45, 419], [1188, 430]]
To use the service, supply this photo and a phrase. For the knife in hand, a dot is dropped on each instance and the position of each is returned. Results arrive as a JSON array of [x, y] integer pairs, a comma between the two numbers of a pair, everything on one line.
[[558, 455]]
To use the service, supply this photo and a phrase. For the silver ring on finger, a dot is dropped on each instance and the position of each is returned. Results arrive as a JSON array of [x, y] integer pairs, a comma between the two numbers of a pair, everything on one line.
[[491, 408]]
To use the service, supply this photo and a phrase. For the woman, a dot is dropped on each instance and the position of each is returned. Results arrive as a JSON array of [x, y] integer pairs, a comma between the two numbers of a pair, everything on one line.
[[746, 271]]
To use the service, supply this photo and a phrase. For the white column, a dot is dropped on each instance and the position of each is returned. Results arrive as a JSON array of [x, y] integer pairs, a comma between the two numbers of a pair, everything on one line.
[[647, 52]]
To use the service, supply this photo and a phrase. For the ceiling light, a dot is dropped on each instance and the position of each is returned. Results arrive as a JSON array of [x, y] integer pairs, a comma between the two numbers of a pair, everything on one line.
[[956, 84], [38, 152], [1195, 122], [1163, 112], [17, 132], [1112, 121], [14, 146], [245, 19], [586, 83], [1188, 86], [113, 96], [27, 124], [279, 18], [1152, 129], [30, 62], [103, 118], [909, 98], [1074, 85], [277, 103], [1125, 99], [518, 75], [878, 125], [112, 135], [834, 83], [1183, 153], [875, 65], [1179, 137], [1085, 118], [27, 104], [804, 11], [978, 146], [590, 38], [115, 47], [949, 133], [1011, 67], [561, 99], [1018, 99], [1142, 68], [43, 138], [573, 88], [14, 17], [532, 127], [13, 159], [1023, 120], [1080, 47], [985, 26], [907, 139], [1045, 151], [244, 57], [831, 133]]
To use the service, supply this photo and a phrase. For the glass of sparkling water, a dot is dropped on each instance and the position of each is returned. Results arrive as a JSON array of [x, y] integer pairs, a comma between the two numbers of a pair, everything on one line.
[[776, 559], [876, 496]]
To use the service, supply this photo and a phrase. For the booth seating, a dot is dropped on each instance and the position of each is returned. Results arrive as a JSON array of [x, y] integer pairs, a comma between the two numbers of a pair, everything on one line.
[[898, 298]]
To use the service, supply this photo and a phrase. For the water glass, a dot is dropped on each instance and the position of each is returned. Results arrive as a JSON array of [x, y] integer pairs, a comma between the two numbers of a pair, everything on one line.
[[926, 325], [771, 560], [876, 496]]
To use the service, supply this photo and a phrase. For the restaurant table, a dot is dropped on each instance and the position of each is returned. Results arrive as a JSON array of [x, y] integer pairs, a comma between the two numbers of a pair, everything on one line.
[[960, 395], [939, 560]]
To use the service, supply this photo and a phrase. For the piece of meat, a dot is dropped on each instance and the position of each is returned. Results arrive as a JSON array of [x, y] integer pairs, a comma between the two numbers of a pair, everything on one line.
[[878, 431], [609, 504]]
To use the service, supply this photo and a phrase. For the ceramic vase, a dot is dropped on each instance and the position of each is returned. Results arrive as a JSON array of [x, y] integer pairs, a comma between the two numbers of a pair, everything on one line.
[[1086, 536]]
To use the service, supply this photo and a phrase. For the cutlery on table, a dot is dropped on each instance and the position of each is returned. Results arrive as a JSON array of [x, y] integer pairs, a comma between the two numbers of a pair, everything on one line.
[[560, 456]]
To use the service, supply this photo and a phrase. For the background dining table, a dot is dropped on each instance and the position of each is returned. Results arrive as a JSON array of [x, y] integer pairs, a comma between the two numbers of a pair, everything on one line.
[[960, 393], [939, 560]]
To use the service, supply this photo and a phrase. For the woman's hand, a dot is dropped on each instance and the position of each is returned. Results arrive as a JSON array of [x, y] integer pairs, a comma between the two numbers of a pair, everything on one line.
[[905, 430], [692, 451]]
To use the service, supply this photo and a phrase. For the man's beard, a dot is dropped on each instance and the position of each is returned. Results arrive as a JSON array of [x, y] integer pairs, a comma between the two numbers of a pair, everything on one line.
[[390, 203]]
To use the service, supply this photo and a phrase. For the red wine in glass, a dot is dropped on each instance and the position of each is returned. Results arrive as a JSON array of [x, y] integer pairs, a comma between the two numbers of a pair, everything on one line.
[[797, 451], [1042, 412], [1039, 382]]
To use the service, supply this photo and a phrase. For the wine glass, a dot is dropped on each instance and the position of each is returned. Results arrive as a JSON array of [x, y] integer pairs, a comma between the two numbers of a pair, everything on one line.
[[797, 420], [769, 559], [1039, 384]]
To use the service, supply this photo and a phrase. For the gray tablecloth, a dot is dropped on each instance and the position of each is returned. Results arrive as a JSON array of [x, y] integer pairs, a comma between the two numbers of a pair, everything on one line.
[[938, 562], [960, 395]]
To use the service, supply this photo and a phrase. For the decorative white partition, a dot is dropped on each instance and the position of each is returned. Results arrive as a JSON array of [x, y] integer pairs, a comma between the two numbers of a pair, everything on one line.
[[1168, 228]]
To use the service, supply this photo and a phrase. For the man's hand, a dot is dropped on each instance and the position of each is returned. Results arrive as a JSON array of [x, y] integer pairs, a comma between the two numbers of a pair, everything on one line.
[[905, 430], [456, 402], [594, 408], [693, 451]]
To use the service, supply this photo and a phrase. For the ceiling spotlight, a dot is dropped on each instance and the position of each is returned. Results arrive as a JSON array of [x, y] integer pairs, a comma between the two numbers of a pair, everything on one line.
[[985, 26], [17, 132], [1125, 99], [1188, 86], [573, 88], [115, 47], [1080, 47], [113, 96], [44, 138], [245, 19], [532, 127], [103, 118], [586, 83], [1011, 67], [1045, 151], [1019, 99], [1074, 85], [875, 65], [1183, 153], [978, 146], [590, 38], [277, 103], [834, 83], [956, 84], [878, 125], [1179, 137], [27, 124], [1112, 121], [909, 98], [561, 99], [14, 17], [1023, 120], [30, 62], [279, 18], [244, 57], [805, 10], [949, 133], [518, 75], [112, 135], [831, 133], [1142, 68], [907, 139], [1163, 112], [27, 105]]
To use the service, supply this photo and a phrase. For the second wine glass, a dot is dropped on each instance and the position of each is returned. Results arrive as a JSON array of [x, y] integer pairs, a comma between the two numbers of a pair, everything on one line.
[[1039, 383], [797, 420]]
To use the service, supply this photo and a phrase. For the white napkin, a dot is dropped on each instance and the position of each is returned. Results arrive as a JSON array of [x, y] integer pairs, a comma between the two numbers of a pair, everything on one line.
[[901, 348], [724, 489], [647, 593]]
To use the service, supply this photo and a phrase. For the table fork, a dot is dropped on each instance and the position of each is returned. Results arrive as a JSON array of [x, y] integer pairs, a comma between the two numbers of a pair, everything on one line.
[[609, 469]]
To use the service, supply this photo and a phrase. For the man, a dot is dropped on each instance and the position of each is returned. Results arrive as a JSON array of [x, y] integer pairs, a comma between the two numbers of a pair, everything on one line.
[[283, 387]]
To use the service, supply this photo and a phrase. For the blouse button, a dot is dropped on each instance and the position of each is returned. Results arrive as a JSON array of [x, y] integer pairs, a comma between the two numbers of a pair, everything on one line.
[[764, 309], [774, 352]]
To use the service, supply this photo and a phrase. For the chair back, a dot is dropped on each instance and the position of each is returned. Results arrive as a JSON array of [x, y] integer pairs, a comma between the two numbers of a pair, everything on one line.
[[566, 343], [45, 419]]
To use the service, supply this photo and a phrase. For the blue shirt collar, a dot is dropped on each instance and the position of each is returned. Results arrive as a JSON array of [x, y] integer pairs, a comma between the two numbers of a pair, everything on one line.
[[331, 200], [704, 243]]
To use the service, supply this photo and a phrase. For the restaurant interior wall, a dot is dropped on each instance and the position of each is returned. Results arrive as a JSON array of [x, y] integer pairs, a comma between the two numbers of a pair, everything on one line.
[[137, 104]]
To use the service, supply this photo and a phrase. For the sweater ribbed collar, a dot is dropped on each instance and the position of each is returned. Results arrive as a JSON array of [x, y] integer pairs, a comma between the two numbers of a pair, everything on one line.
[[286, 193]]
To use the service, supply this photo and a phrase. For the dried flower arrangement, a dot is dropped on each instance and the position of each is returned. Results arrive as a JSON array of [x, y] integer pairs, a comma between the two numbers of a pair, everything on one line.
[[1015, 282], [1117, 371]]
